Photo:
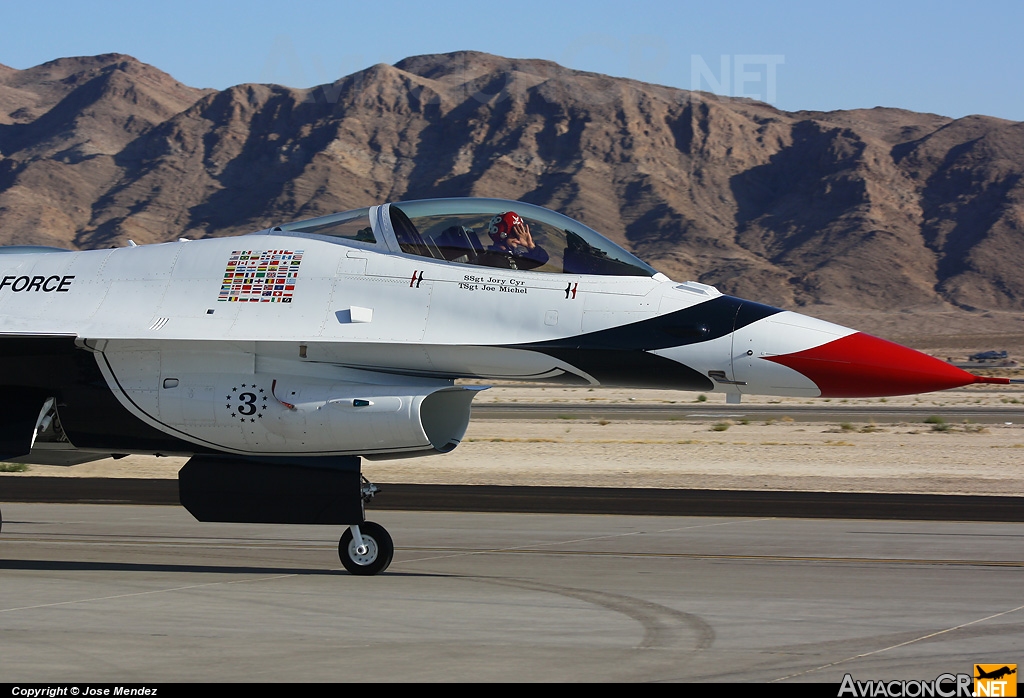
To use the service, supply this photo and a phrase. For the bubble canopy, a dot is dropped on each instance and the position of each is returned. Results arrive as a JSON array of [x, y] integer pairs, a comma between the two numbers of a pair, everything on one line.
[[460, 231]]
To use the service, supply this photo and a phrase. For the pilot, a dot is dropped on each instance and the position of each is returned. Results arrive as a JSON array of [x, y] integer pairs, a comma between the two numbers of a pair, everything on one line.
[[513, 246]]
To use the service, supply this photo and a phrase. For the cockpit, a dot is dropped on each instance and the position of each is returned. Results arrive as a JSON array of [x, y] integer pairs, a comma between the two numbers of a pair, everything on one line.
[[477, 232]]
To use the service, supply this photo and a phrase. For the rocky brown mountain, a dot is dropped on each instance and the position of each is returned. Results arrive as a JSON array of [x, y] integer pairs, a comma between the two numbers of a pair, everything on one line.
[[878, 208]]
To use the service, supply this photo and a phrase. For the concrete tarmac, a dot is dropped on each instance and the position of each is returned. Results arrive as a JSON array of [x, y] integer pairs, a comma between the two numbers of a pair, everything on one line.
[[147, 594]]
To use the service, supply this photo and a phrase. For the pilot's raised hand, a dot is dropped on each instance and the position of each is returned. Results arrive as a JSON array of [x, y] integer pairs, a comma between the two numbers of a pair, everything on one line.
[[519, 236]]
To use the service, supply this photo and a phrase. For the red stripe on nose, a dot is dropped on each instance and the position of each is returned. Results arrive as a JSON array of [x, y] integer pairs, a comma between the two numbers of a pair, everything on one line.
[[860, 365]]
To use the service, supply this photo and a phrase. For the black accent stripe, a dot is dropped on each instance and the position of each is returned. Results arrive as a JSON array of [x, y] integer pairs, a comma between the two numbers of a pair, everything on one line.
[[698, 323], [633, 369], [620, 355]]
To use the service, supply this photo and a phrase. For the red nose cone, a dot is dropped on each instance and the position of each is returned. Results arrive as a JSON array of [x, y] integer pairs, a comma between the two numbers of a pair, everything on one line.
[[860, 365]]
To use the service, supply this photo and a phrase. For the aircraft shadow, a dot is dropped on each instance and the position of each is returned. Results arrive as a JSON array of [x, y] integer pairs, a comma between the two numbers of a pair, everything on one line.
[[93, 566]]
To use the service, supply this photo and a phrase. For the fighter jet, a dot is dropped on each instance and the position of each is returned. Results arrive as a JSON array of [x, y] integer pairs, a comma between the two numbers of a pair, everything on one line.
[[279, 359]]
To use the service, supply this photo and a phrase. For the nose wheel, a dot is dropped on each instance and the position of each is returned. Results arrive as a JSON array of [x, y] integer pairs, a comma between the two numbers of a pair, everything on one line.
[[366, 549]]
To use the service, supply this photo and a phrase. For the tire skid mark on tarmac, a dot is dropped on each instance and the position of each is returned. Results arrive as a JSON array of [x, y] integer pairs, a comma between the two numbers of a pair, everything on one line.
[[664, 627]]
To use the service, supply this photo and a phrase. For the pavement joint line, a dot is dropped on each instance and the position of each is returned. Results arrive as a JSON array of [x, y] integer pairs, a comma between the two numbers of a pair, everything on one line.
[[525, 549], [638, 533], [144, 593], [751, 557], [718, 523], [901, 644]]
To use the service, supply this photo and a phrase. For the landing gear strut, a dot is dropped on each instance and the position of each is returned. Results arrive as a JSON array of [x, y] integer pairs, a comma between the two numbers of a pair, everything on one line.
[[366, 548]]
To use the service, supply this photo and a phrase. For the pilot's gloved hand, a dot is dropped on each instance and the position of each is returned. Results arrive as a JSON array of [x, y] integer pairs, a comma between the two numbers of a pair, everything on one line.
[[519, 236]]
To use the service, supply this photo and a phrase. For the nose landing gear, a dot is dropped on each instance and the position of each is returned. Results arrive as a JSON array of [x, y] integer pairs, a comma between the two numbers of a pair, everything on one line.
[[366, 549]]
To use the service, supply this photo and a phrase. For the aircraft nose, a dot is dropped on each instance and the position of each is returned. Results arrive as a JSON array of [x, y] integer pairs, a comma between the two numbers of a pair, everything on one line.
[[860, 365]]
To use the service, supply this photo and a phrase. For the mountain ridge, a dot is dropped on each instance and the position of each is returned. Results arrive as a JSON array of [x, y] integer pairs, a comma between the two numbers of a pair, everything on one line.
[[881, 208]]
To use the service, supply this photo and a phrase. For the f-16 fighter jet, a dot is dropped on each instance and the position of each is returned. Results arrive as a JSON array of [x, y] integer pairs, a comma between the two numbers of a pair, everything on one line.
[[278, 360]]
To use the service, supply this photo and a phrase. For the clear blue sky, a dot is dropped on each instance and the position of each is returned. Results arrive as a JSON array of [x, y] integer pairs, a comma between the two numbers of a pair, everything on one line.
[[952, 58]]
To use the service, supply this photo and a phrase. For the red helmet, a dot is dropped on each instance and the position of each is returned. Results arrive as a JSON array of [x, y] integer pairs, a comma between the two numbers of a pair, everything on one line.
[[502, 224]]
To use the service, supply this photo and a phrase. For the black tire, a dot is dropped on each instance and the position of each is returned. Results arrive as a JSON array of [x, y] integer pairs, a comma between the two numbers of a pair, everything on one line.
[[378, 557]]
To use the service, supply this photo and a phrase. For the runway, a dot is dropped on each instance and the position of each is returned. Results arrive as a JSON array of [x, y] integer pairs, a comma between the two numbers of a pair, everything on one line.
[[145, 593]]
